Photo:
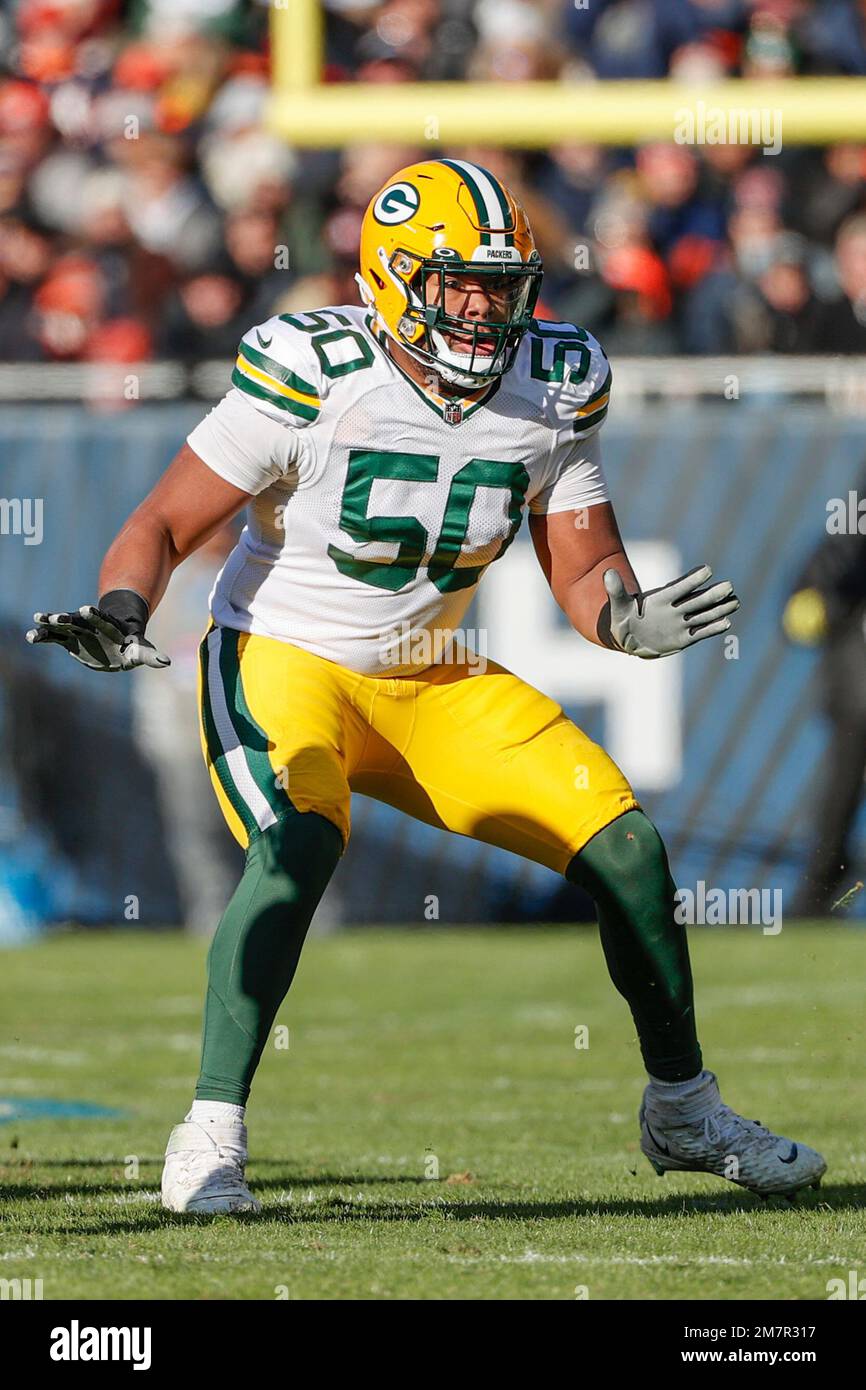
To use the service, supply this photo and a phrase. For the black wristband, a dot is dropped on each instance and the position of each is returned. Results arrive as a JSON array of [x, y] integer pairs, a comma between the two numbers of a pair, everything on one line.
[[603, 632], [127, 609]]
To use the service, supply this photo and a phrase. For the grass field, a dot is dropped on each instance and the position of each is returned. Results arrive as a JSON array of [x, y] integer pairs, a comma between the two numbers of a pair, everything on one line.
[[412, 1050]]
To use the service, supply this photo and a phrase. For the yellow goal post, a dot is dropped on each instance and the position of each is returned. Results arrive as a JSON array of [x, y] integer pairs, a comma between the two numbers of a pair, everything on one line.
[[309, 113]]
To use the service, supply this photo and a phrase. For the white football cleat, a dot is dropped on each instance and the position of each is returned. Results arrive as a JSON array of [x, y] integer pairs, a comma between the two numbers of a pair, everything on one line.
[[697, 1133], [204, 1169]]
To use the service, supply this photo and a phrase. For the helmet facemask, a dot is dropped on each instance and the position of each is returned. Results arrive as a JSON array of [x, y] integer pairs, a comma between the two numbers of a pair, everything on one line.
[[484, 348]]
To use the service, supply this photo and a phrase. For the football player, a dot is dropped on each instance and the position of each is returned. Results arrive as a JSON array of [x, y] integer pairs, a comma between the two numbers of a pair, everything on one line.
[[387, 454]]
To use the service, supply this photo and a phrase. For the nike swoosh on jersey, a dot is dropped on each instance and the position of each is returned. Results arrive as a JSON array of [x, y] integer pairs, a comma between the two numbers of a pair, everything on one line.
[[265, 342]]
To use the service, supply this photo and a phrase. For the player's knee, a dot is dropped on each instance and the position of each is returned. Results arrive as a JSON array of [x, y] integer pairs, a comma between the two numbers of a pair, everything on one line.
[[637, 844], [298, 854], [627, 859]]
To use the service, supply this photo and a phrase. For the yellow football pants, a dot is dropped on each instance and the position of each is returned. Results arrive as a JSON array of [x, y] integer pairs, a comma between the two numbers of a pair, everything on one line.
[[484, 754]]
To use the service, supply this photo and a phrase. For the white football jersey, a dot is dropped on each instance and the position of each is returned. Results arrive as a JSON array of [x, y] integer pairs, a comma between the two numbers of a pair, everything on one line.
[[378, 504]]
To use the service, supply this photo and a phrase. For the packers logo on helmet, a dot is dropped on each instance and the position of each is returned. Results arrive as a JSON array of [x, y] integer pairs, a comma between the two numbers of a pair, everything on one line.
[[433, 226], [396, 203]]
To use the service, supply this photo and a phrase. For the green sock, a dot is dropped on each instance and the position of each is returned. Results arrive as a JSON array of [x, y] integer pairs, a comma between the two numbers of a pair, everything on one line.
[[625, 869], [255, 952]]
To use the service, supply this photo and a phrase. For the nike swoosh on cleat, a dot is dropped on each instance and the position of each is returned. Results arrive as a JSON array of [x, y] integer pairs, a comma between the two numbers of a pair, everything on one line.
[[791, 1156], [662, 1148], [264, 343]]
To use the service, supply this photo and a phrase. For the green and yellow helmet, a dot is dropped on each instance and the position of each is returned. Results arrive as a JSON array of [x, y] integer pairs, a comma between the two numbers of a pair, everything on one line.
[[440, 220]]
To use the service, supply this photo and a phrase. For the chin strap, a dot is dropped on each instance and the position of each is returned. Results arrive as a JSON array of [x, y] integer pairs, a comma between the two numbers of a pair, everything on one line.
[[364, 290]]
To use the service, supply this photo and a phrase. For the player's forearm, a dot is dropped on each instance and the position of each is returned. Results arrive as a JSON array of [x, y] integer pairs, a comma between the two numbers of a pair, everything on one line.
[[585, 601], [141, 558], [188, 505]]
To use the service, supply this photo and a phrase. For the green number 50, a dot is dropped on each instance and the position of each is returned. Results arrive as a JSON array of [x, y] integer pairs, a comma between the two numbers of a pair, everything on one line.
[[366, 465]]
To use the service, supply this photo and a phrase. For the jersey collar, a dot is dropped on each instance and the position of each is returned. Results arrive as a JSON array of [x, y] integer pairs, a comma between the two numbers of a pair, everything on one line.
[[452, 409]]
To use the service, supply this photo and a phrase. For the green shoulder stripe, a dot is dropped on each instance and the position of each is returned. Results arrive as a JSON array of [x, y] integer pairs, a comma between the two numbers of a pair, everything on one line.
[[277, 370], [261, 393], [602, 390], [586, 422]]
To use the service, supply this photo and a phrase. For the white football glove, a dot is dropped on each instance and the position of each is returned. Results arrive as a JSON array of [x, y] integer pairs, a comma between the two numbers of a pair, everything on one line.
[[96, 640], [667, 620]]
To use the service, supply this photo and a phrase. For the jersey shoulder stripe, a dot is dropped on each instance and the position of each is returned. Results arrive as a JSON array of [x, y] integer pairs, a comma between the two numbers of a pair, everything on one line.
[[277, 369], [259, 376], [594, 409]]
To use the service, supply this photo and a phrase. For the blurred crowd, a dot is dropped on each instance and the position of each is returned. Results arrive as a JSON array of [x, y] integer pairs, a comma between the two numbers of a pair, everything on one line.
[[147, 212]]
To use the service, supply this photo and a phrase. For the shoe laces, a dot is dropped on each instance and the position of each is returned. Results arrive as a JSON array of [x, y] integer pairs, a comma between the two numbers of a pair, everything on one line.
[[216, 1165], [725, 1127]]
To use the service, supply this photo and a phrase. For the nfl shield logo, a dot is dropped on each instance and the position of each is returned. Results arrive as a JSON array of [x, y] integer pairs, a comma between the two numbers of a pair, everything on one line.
[[453, 412]]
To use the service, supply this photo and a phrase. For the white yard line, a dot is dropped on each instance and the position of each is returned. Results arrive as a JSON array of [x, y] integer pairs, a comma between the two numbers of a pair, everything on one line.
[[533, 1257]]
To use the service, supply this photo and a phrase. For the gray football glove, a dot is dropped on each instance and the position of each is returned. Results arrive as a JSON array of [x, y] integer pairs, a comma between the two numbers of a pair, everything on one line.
[[97, 640], [667, 620]]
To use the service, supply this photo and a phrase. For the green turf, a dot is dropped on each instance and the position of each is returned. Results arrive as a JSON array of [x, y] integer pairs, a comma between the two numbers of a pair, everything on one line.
[[416, 1048]]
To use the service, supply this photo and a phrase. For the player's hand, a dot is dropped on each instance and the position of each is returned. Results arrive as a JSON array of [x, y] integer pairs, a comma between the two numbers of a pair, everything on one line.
[[96, 640], [667, 620]]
